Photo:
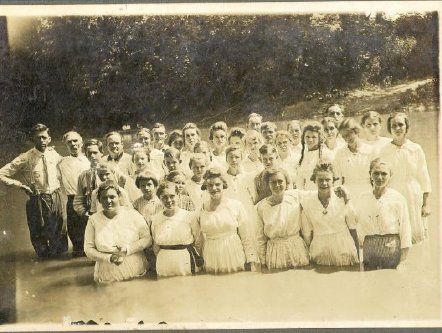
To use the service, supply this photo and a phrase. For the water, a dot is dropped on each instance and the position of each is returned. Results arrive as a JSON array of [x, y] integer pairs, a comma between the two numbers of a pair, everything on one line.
[[49, 292]]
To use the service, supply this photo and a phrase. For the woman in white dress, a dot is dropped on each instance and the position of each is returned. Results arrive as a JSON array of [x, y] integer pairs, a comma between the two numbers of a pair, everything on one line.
[[280, 244], [409, 173], [288, 159], [115, 238], [228, 245], [329, 221], [371, 122], [175, 235], [383, 218], [352, 162], [218, 137], [332, 144], [312, 150]]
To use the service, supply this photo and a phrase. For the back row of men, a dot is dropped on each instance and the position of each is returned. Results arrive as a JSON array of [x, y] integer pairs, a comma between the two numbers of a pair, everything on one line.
[[62, 190]]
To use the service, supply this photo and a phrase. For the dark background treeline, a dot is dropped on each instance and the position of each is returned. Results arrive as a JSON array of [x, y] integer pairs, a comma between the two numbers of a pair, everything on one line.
[[97, 73]]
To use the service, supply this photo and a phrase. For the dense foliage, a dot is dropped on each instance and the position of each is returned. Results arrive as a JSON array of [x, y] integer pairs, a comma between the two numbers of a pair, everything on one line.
[[101, 72]]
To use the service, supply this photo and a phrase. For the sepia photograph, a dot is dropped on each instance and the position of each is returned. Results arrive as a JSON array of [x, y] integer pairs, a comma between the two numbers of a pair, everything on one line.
[[219, 165]]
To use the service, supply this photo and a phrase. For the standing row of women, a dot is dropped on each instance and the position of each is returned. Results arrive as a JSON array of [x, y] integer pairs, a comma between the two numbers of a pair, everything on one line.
[[310, 204]]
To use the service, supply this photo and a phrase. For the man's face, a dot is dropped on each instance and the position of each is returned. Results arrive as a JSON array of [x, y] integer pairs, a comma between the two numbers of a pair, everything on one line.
[[159, 135], [74, 143], [336, 113], [93, 154], [41, 140], [192, 137], [114, 145]]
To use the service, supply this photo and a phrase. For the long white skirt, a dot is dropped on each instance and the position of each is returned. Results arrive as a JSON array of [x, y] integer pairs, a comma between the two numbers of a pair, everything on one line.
[[133, 266], [336, 249], [224, 254], [287, 252], [173, 262]]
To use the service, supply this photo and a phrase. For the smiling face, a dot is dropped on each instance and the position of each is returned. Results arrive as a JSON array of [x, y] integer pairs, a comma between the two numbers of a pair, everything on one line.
[[372, 128], [140, 160], [41, 140], [168, 198], [277, 183], [148, 188], [110, 200], [311, 139], [324, 181], [215, 187], [380, 176], [398, 127], [114, 145]]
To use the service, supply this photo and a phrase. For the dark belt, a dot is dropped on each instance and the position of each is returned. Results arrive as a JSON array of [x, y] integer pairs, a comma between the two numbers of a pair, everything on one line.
[[195, 258]]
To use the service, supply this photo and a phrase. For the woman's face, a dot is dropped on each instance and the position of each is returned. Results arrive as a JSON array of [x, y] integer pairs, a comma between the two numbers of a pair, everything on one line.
[[282, 143], [110, 200], [372, 127], [398, 127], [380, 176], [311, 139], [277, 183], [348, 135], [168, 197], [235, 141], [331, 132], [178, 143], [234, 158], [140, 160], [219, 138], [215, 188], [148, 188], [324, 181], [192, 137]]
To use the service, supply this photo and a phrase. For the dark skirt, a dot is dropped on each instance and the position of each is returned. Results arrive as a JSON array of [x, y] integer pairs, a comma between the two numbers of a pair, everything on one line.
[[382, 251]]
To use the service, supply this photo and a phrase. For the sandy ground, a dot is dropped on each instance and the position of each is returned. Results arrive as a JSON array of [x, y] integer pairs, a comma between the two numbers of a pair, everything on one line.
[[52, 292]]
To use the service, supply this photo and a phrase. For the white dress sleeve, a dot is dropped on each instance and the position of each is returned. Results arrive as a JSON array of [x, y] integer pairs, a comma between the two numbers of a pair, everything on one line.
[[423, 175], [404, 224], [244, 233], [145, 239], [261, 238], [89, 243]]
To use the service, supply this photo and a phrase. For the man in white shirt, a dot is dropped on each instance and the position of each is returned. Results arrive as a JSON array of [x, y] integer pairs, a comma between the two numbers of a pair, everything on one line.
[[36, 172], [70, 168]]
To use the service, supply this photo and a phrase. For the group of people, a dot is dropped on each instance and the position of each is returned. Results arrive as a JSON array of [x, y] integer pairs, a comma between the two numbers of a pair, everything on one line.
[[257, 198]]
